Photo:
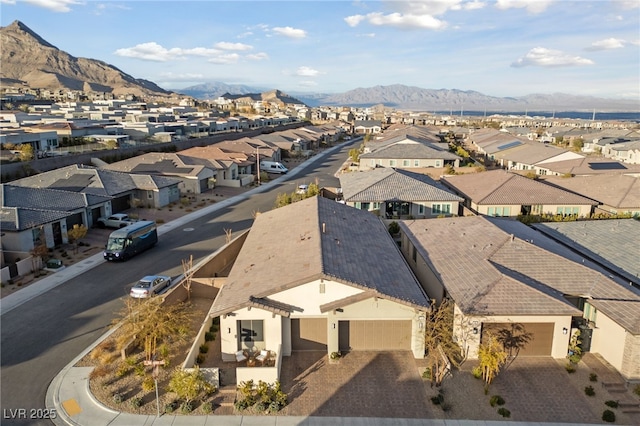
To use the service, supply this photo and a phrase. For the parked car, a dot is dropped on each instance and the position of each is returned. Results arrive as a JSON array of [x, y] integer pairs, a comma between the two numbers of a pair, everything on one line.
[[150, 286], [118, 220]]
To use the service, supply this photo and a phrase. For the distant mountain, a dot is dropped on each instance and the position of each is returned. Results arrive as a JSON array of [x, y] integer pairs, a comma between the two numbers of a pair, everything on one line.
[[213, 90], [28, 58], [416, 98]]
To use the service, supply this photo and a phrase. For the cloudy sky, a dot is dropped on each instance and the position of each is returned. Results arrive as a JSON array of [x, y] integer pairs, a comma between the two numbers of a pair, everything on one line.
[[498, 47]]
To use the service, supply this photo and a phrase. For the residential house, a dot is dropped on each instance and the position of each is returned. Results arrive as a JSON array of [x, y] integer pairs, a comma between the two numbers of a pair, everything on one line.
[[627, 151], [362, 127], [120, 188], [409, 153], [505, 273], [41, 142], [397, 193], [334, 281], [502, 193], [589, 166], [234, 169], [194, 178], [617, 193]]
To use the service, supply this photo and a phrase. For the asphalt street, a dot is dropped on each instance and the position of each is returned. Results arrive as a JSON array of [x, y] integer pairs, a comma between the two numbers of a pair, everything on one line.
[[44, 334]]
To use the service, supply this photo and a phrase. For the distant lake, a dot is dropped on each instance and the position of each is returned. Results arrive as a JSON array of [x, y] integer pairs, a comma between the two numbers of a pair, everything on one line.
[[581, 115]]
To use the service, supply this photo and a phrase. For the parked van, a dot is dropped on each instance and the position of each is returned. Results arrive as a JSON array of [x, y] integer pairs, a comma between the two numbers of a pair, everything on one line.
[[272, 167]]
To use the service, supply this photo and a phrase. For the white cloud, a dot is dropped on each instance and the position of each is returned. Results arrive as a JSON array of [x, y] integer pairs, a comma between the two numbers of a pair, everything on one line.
[[628, 4], [542, 57], [354, 20], [7, 1], [474, 5], [181, 77], [606, 44], [258, 56], [224, 45], [307, 72], [399, 20], [55, 5], [229, 58], [152, 51], [245, 34], [290, 32], [532, 6]]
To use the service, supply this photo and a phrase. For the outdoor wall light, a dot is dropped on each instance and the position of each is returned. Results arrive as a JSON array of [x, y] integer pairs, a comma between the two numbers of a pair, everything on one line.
[[229, 330], [421, 322], [564, 330], [475, 330], [334, 325]]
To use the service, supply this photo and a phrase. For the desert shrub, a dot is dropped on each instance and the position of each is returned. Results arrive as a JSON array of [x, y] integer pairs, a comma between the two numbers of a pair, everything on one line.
[[636, 390], [504, 412], [496, 400], [186, 407], [135, 402], [207, 407], [438, 399], [108, 358], [131, 361], [242, 404], [148, 384], [570, 368], [170, 407], [98, 372], [589, 391], [139, 370], [608, 416], [611, 403], [200, 359], [209, 336], [427, 374], [117, 398], [123, 370], [477, 372], [394, 228], [204, 348], [593, 377], [261, 406]]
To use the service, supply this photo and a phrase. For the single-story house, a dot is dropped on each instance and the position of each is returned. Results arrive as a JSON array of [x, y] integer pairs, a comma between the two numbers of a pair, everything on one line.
[[334, 281], [367, 126], [504, 272], [409, 155], [399, 193], [502, 193]]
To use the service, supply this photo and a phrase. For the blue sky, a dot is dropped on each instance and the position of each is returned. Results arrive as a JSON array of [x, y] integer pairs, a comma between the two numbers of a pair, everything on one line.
[[499, 47]]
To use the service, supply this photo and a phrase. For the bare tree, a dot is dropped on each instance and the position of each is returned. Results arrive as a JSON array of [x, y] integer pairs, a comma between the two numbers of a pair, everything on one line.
[[187, 271], [438, 340], [228, 233]]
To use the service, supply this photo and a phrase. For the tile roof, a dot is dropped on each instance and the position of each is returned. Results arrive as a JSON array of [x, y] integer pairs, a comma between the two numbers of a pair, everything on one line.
[[499, 187], [613, 243], [530, 153], [272, 260], [19, 219], [385, 184], [411, 151], [41, 198], [591, 166], [494, 272], [617, 190]]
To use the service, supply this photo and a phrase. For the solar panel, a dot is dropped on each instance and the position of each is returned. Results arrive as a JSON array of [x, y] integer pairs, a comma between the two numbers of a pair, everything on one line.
[[607, 166], [509, 145]]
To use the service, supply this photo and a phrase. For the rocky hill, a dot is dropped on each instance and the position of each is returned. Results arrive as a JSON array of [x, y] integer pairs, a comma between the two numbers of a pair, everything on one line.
[[32, 61]]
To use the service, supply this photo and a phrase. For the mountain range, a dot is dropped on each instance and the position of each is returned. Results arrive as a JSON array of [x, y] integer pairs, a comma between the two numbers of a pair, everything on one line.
[[29, 60]]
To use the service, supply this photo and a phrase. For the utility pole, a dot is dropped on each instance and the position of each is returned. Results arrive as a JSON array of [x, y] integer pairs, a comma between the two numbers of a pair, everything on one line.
[[258, 163]]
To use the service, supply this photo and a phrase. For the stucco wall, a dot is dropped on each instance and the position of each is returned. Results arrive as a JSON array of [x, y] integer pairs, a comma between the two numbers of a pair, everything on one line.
[[309, 298], [631, 357], [272, 329], [421, 270], [608, 339]]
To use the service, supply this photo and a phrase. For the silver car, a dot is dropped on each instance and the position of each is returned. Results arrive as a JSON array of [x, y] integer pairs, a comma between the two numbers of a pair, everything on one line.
[[150, 286]]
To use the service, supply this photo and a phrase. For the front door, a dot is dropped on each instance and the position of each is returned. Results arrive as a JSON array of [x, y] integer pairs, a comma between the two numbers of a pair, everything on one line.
[[57, 233]]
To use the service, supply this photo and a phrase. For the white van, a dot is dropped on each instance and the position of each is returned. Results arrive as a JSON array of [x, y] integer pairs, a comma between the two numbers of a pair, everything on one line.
[[272, 167]]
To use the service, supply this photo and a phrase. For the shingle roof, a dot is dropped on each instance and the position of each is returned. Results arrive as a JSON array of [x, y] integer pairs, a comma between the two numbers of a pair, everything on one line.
[[411, 151], [612, 243], [494, 272], [323, 239], [385, 184], [499, 187]]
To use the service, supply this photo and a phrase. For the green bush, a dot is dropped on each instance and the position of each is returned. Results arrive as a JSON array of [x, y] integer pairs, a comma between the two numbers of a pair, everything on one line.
[[496, 400], [438, 399], [611, 403], [204, 348], [636, 390], [186, 407], [394, 228], [570, 368], [477, 372], [170, 407], [593, 377], [608, 416], [139, 370], [209, 336], [504, 412], [427, 374], [148, 384], [117, 398], [207, 407], [135, 402], [200, 359], [589, 391]]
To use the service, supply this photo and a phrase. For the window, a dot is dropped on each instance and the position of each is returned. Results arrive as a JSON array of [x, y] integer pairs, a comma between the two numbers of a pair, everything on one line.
[[392, 163], [372, 162], [416, 163], [405, 163], [438, 163], [250, 332], [150, 195], [499, 211], [420, 209], [568, 211], [365, 206], [441, 208], [322, 288], [414, 256]]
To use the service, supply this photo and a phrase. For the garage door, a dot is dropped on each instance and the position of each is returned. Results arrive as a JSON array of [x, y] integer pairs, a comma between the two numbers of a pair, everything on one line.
[[309, 334], [375, 335], [541, 336]]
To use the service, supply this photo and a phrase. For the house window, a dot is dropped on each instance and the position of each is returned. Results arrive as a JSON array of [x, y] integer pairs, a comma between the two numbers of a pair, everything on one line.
[[365, 206], [590, 313], [322, 288], [405, 163], [376, 206], [441, 208], [251, 333], [150, 195], [414, 256], [420, 209], [36, 234], [416, 163], [392, 163], [372, 163], [568, 211], [438, 163], [499, 211]]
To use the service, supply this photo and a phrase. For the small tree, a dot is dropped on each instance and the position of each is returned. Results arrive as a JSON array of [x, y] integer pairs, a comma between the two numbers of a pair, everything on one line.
[[575, 351], [577, 144], [111, 144], [189, 384], [75, 234], [491, 357], [513, 339], [354, 154], [187, 270], [26, 152]]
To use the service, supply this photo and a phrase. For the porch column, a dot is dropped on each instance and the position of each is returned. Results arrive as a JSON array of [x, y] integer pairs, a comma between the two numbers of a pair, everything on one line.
[[332, 333]]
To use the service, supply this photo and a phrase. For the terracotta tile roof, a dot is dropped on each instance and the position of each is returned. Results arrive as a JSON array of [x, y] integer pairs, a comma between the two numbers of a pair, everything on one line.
[[323, 239], [499, 187]]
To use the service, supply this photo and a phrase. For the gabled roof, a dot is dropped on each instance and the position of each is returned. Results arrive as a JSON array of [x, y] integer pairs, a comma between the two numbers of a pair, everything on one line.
[[532, 153], [616, 190], [157, 163], [591, 166], [499, 187], [496, 272], [386, 184], [323, 239], [411, 151], [19, 219], [46, 198]]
